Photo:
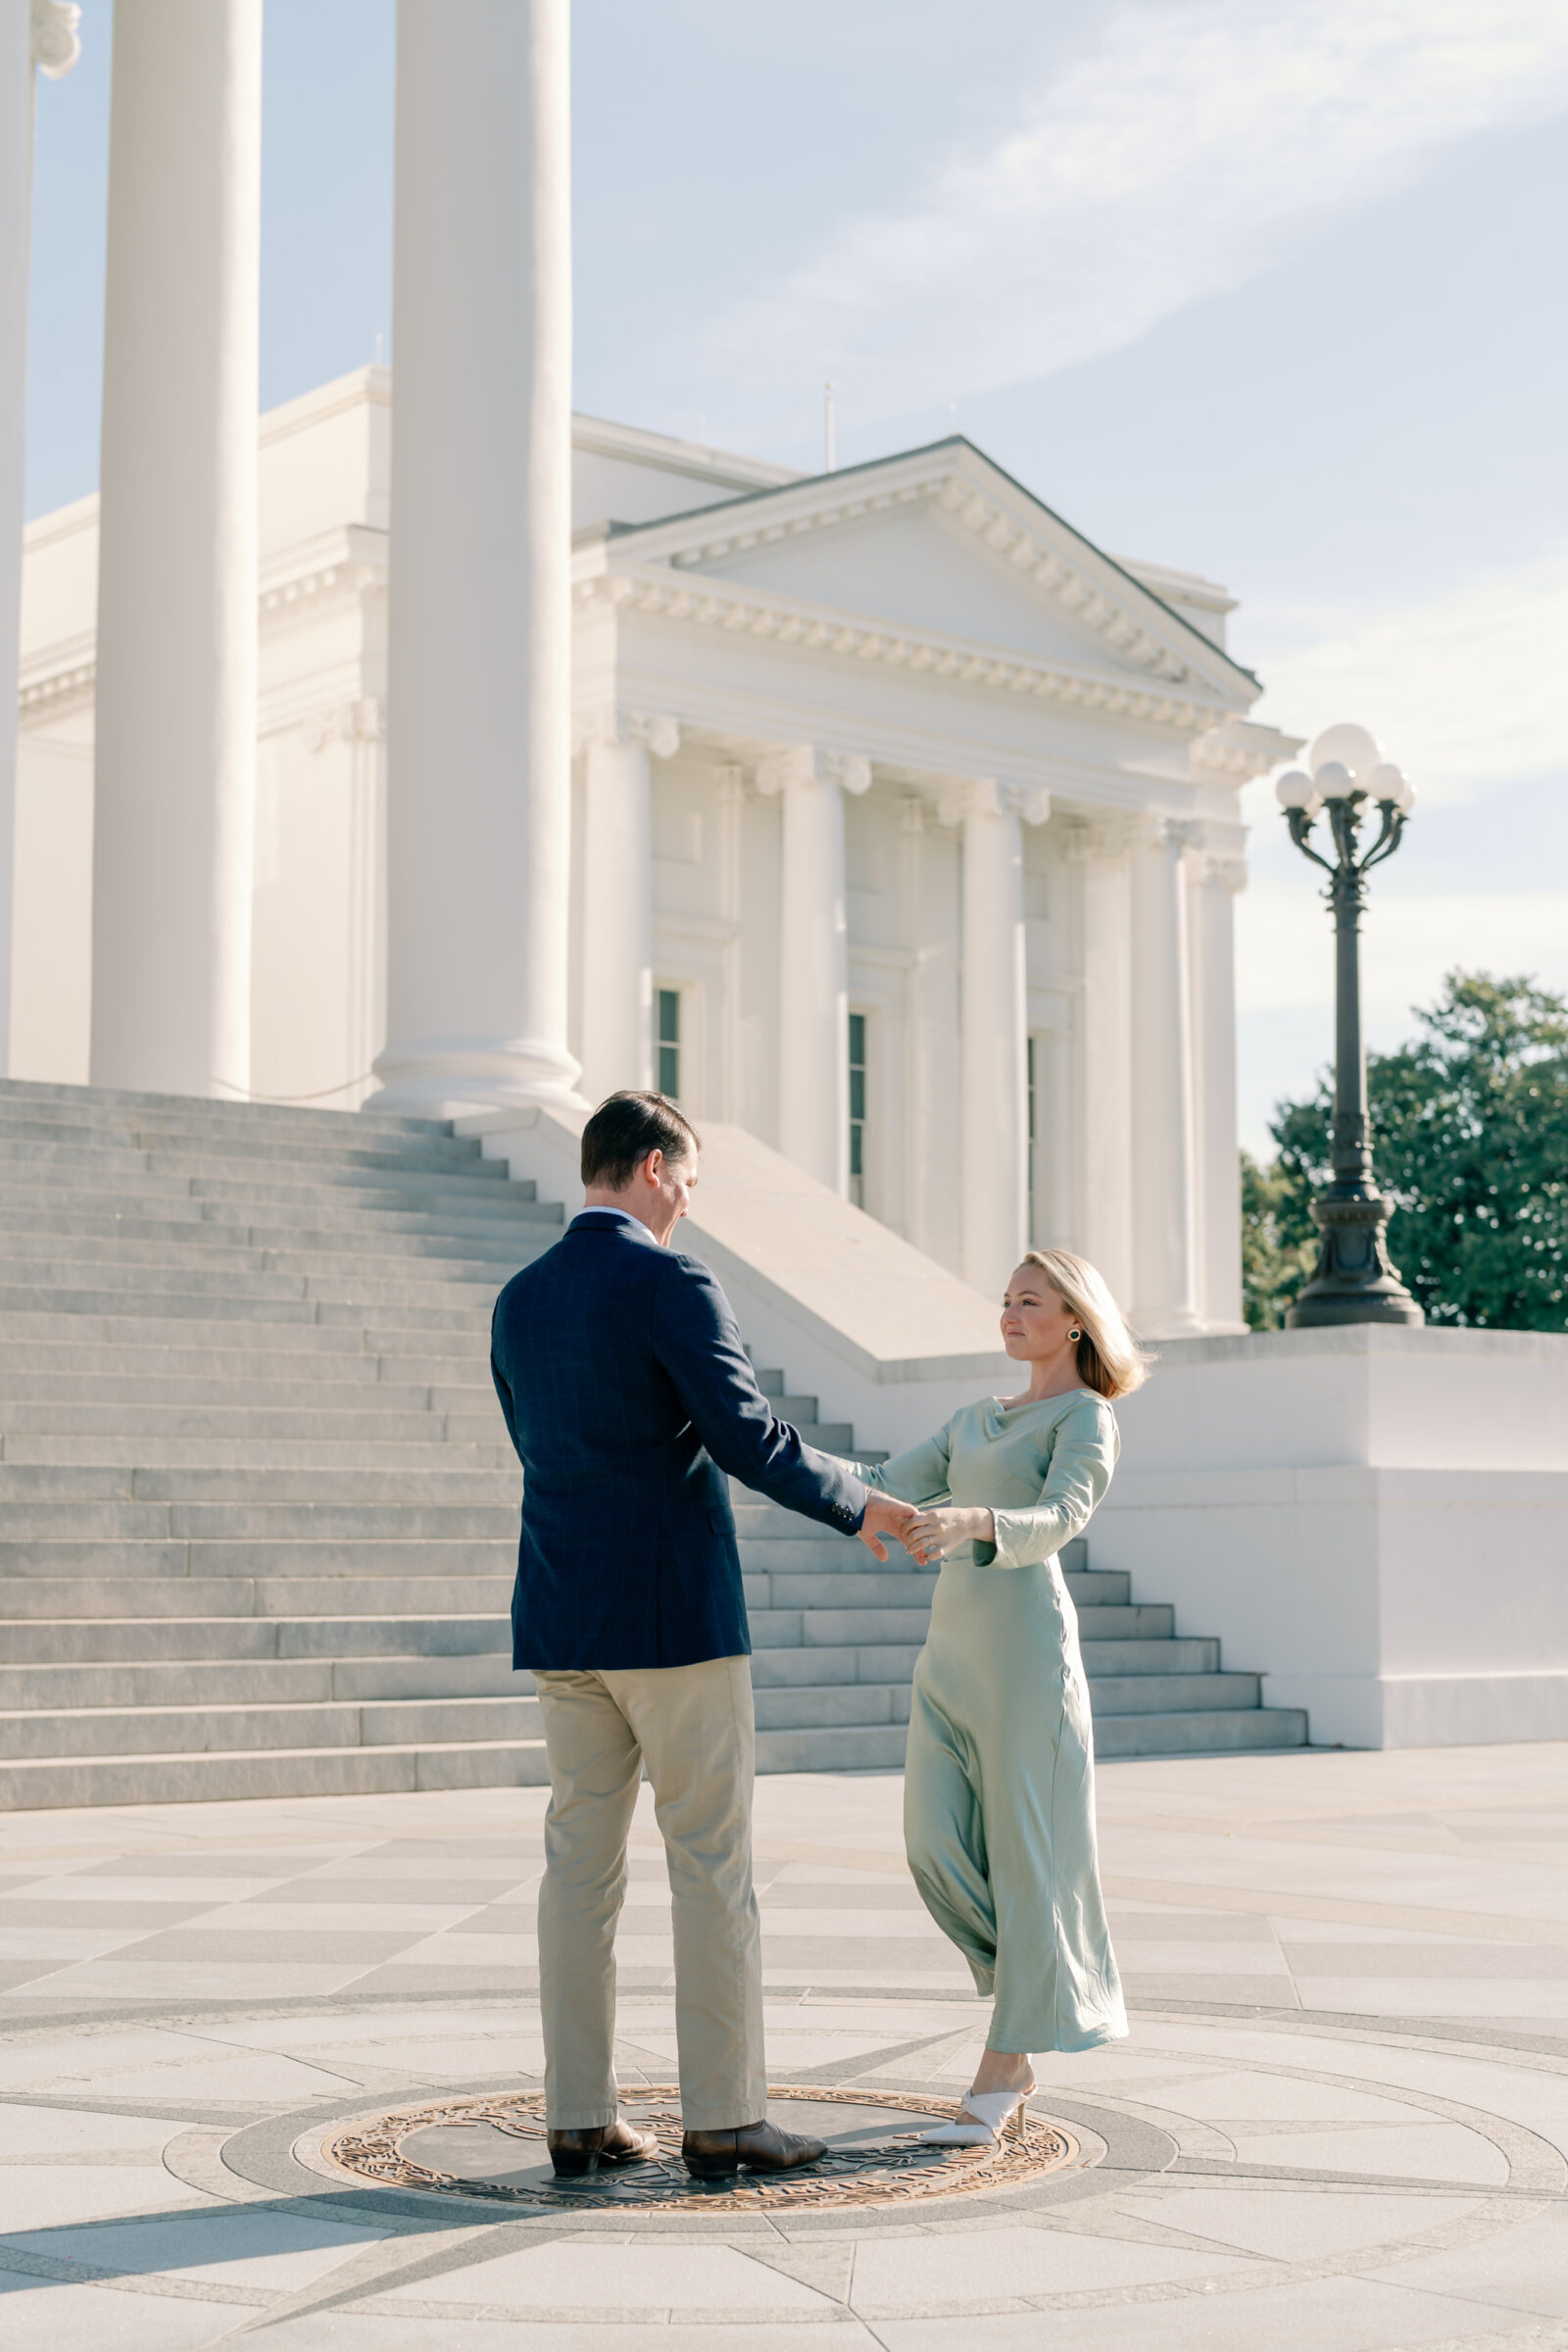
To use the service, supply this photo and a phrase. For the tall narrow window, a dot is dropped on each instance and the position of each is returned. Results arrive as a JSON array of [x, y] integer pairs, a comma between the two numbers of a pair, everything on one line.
[[666, 1042], [1033, 1062], [857, 1109]]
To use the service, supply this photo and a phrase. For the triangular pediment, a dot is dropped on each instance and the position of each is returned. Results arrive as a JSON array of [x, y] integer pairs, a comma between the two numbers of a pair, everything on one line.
[[941, 541]]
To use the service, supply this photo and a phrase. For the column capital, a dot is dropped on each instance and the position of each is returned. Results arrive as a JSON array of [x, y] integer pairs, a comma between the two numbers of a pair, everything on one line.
[[800, 763], [986, 796], [1106, 838], [611, 725], [55, 30]]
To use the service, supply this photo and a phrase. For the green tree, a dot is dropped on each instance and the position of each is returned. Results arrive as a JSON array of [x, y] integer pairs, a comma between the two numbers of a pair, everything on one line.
[[1470, 1138], [1276, 1257]]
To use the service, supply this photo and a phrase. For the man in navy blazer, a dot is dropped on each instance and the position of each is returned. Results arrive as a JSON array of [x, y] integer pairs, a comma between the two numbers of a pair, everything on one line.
[[632, 1404]]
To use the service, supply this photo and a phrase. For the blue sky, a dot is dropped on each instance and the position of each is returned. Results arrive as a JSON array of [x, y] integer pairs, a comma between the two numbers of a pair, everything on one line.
[[1268, 288]]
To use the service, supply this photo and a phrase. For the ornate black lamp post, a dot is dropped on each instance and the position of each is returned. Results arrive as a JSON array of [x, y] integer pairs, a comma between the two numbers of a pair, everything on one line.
[[1352, 1281]]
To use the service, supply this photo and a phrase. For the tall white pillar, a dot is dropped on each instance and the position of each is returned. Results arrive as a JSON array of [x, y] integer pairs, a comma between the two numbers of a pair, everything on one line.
[[813, 977], [41, 33], [1215, 879], [479, 625], [1165, 1300], [1099, 848], [617, 952], [175, 705], [993, 1107]]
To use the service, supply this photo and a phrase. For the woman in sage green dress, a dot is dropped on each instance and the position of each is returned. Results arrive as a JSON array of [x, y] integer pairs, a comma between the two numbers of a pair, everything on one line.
[[999, 1803]]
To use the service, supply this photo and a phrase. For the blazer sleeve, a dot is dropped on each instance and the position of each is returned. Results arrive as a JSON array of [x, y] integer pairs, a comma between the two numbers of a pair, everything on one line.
[[917, 1475], [503, 1384], [1083, 1455], [697, 1341]]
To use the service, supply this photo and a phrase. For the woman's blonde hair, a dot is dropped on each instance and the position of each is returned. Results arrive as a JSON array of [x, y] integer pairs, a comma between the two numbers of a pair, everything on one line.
[[1110, 1360]]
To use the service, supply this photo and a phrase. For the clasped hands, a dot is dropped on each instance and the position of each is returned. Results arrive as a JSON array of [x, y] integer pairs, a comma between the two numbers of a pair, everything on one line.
[[926, 1536]]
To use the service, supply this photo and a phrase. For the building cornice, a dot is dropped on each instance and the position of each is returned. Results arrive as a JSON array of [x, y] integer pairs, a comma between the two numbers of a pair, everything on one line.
[[975, 495], [704, 601]]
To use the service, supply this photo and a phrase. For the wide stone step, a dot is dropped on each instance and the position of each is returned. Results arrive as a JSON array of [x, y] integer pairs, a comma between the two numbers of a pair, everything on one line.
[[192, 1777], [179, 1224], [911, 1588], [1211, 1732], [93, 1106], [216, 1264], [1141, 1621], [848, 1747], [835, 1629], [345, 1556], [166, 1731], [367, 1599], [298, 1332], [278, 1522], [239, 1422], [876, 1662], [109, 1642], [38, 1483], [283, 1453], [258, 1398], [826, 1707], [1105, 1660], [1171, 1695]]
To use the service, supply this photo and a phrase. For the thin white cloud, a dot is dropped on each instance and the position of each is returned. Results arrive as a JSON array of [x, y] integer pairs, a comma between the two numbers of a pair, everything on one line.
[[1178, 155], [1464, 690]]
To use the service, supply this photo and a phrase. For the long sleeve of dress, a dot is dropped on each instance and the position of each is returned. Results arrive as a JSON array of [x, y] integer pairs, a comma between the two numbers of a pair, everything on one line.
[[1082, 1458], [918, 1475]]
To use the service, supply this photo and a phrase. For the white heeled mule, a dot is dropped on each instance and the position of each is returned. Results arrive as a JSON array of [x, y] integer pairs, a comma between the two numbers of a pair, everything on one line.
[[1000, 2115]]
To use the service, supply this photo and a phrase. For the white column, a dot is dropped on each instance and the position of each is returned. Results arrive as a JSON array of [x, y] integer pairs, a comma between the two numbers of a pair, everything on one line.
[[993, 1144], [814, 975], [1104, 1153], [41, 33], [176, 709], [1165, 1302], [1215, 879], [618, 969], [480, 625]]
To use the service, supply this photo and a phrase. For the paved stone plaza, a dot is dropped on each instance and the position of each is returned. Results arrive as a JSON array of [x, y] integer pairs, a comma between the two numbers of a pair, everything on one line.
[[1341, 2121]]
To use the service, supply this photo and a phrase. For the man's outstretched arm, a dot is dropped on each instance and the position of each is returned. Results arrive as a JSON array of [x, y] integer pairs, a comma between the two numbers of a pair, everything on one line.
[[699, 1343]]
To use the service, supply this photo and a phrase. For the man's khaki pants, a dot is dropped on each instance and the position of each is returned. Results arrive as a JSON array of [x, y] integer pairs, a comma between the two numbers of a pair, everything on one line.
[[694, 1729]]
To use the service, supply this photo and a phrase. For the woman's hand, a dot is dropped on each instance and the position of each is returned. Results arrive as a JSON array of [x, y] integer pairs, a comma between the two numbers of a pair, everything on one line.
[[932, 1535]]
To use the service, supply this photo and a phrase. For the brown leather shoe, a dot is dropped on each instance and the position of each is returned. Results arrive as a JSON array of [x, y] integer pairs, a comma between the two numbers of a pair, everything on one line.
[[574, 2153], [759, 2148]]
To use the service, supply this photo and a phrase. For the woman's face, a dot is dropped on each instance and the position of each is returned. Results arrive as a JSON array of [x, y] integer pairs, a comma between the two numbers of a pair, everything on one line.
[[1035, 1317]]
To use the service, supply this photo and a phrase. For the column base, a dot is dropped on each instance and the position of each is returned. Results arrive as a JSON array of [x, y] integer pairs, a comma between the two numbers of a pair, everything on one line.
[[453, 1077], [1172, 1323]]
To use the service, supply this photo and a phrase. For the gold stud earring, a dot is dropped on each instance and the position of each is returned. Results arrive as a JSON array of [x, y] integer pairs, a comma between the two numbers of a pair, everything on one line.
[[1075, 1335]]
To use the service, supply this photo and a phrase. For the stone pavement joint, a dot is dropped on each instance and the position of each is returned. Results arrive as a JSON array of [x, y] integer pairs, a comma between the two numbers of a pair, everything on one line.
[[1339, 2122]]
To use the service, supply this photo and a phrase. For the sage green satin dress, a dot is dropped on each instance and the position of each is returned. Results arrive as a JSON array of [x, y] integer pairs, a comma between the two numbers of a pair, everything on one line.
[[998, 1792]]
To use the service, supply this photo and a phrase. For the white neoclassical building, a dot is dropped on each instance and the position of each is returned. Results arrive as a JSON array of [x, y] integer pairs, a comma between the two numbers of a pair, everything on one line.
[[505, 756], [902, 830]]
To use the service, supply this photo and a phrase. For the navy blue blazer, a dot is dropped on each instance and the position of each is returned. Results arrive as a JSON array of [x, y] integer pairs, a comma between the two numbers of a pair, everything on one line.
[[629, 1397]]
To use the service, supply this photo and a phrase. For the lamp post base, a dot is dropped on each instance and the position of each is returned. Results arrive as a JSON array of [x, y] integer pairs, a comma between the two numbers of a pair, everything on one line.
[[1353, 1281]]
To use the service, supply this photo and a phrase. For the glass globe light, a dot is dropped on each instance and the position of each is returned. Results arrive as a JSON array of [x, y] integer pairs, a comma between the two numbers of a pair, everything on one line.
[[1352, 746], [1296, 790], [1386, 782], [1334, 780]]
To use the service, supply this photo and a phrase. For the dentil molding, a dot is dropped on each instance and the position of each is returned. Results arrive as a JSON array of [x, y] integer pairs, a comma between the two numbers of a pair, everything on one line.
[[1094, 604], [809, 628]]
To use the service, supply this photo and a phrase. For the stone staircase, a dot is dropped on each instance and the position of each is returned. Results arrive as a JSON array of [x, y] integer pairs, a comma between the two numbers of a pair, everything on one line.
[[258, 1511]]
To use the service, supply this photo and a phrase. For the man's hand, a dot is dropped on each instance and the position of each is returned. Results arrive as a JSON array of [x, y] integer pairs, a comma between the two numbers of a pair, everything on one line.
[[885, 1515]]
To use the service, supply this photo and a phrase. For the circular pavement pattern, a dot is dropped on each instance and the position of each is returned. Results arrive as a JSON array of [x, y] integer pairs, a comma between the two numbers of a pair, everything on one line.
[[496, 2148]]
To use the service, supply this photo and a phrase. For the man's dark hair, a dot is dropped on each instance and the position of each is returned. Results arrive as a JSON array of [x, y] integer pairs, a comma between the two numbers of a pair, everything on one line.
[[625, 1129]]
